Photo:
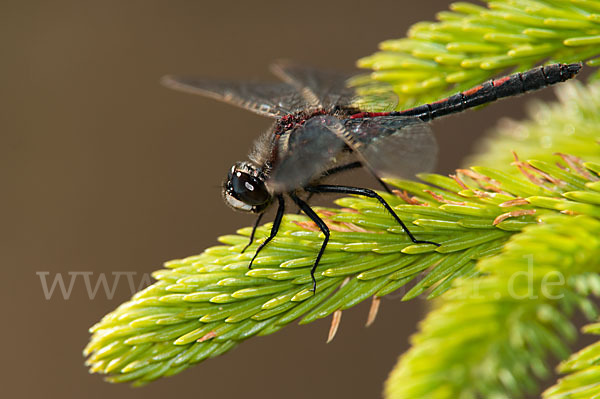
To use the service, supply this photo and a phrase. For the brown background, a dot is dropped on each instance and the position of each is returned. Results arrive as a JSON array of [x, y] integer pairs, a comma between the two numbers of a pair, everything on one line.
[[103, 170]]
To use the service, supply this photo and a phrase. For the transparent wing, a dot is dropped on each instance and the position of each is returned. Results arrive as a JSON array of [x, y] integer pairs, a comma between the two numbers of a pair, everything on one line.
[[328, 89], [319, 87], [372, 96], [393, 146], [264, 98], [305, 152]]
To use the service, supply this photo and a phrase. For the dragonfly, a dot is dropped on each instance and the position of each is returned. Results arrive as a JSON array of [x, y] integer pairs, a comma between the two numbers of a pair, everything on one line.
[[319, 131]]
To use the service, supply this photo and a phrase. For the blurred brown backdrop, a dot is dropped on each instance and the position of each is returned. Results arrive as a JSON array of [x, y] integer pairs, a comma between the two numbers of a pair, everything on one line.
[[103, 170]]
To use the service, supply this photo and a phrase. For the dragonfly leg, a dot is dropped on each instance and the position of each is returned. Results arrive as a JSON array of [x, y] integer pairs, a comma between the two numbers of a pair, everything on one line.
[[336, 170], [385, 186], [342, 168], [274, 229], [319, 222], [355, 165], [367, 193], [308, 197], [253, 231]]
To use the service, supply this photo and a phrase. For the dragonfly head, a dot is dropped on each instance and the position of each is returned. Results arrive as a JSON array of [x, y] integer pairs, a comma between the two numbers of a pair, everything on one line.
[[245, 190]]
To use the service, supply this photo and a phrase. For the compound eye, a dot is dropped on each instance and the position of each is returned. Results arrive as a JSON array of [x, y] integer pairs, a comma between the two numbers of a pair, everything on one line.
[[249, 189]]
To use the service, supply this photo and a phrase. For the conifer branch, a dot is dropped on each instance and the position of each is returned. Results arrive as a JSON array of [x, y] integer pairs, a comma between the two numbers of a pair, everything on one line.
[[582, 367], [204, 305], [491, 337], [471, 44], [485, 217], [496, 335]]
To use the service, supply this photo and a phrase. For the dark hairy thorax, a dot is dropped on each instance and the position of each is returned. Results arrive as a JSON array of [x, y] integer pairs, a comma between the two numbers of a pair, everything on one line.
[[288, 123]]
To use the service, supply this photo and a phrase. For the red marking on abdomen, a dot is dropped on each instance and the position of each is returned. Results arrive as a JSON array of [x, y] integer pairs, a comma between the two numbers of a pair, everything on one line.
[[500, 81], [472, 91], [368, 115], [440, 101]]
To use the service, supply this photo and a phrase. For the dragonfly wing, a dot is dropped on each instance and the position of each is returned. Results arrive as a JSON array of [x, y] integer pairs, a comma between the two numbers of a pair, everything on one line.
[[319, 87], [327, 89], [374, 97], [393, 146], [305, 151], [264, 98]]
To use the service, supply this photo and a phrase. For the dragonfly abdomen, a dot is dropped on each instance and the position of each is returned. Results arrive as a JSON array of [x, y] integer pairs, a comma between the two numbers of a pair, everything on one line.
[[489, 91], [492, 90]]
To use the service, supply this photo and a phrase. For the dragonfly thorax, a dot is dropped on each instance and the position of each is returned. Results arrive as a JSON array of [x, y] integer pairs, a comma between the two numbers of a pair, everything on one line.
[[290, 121], [245, 189]]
